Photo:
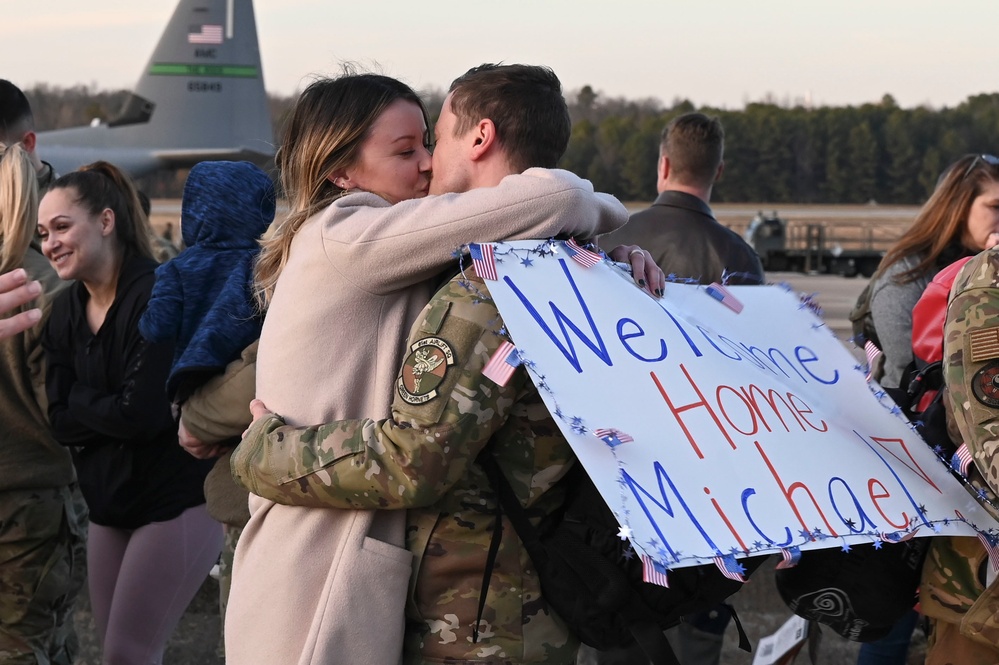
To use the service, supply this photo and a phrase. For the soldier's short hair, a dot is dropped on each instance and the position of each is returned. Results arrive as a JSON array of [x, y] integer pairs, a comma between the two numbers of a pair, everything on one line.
[[15, 113], [695, 144], [526, 105]]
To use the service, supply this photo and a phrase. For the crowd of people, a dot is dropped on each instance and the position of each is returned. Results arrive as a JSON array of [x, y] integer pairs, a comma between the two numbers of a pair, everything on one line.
[[141, 400]]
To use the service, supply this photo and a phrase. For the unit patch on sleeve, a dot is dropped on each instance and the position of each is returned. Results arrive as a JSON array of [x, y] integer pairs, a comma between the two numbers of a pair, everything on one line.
[[424, 370], [985, 384]]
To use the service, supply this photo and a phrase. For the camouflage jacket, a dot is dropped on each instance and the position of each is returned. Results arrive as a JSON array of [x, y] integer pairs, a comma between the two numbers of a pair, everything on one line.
[[424, 459], [953, 587]]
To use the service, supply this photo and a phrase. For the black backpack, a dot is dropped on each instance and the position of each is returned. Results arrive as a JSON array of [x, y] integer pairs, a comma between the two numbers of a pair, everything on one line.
[[860, 594], [593, 579], [862, 323]]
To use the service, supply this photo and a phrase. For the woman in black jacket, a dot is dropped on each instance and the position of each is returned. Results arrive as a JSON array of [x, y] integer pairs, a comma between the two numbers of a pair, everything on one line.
[[151, 542]]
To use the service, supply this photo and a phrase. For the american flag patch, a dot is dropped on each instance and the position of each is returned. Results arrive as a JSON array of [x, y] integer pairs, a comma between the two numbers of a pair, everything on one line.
[[872, 352], [207, 34], [580, 255], [484, 261], [984, 344], [730, 568], [612, 437], [961, 460], [654, 572], [992, 547], [502, 364], [722, 295], [790, 556]]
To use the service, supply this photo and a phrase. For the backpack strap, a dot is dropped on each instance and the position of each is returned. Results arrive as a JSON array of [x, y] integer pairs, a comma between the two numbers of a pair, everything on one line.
[[647, 634], [487, 573]]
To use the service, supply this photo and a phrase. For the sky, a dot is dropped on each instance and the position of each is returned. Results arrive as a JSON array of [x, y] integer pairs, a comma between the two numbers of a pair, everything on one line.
[[723, 54]]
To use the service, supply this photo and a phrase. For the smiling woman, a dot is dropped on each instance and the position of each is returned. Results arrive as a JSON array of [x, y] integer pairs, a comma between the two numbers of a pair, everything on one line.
[[151, 542]]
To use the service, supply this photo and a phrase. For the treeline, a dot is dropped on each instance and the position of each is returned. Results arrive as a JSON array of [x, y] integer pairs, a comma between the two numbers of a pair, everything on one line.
[[774, 153], [854, 154]]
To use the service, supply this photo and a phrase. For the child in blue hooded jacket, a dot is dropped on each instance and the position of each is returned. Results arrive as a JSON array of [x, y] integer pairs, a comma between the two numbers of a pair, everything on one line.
[[202, 299]]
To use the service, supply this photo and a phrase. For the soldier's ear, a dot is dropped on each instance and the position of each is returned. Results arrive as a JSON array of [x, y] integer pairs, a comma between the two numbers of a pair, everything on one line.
[[28, 141], [721, 169]]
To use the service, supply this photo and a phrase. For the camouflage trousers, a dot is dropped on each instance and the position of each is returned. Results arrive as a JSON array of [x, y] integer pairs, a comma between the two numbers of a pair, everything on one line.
[[225, 576], [42, 568]]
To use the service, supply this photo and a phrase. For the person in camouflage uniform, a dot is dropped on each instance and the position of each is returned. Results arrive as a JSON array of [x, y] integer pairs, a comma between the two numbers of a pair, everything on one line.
[[956, 592], [445, 414], [43, 518]]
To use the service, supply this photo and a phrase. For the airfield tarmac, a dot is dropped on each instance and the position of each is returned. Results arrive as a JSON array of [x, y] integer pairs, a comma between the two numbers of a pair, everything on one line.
[[760, 608]]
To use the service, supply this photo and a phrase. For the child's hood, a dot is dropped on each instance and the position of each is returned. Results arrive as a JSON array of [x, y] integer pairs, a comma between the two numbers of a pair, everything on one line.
[[226, 205]]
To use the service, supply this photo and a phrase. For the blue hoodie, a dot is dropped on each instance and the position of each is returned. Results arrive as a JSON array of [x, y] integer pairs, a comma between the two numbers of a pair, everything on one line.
[[202, 300]]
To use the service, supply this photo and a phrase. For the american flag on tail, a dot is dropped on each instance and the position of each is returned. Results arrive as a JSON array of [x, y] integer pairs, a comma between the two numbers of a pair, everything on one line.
[[206, 34]]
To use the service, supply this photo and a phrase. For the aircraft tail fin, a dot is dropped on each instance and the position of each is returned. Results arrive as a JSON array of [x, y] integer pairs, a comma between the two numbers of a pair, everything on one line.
[[201, 94]]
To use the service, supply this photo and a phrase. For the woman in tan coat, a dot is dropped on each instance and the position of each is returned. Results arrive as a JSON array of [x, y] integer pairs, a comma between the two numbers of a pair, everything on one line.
[[343, 278]]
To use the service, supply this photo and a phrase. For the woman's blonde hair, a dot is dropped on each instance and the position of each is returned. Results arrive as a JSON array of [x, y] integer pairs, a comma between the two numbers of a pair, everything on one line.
[[324, 134], [942, 221], [18, 205]]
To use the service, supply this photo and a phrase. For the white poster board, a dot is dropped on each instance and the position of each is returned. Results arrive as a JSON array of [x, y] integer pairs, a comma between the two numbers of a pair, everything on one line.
[[732, 434]]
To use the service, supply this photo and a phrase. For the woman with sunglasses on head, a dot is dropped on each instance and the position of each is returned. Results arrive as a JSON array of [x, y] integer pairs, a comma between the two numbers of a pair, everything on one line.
[[961, 218]]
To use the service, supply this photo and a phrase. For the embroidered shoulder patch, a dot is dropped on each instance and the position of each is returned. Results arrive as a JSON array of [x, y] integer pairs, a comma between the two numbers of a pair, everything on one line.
[[984, 344], [985, 384], [424, 370]]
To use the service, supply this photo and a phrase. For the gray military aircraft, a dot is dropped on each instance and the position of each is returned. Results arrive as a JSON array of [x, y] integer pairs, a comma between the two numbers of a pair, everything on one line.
[[201, 97]]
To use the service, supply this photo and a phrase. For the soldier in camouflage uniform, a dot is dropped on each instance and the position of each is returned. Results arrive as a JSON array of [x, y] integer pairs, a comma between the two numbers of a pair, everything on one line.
[[445, 414], [964, 608], [43, 517]]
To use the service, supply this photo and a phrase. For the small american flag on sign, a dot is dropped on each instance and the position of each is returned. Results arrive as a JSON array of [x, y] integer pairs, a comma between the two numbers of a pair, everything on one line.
[[730, 568], [722, 295], [992, 547], [790, 556], [872, 353], [484, 261], [612, 437], [896, 537], [580, 255], [654, 572], [502, 364], [206, 34], [961, 460]]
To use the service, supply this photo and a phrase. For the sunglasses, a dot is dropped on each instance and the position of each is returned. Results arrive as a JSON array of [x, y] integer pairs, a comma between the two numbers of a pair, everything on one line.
[[991, 160]]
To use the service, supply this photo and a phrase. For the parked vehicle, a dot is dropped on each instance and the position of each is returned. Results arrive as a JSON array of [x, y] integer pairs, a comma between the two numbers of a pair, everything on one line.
[[819, 248]]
